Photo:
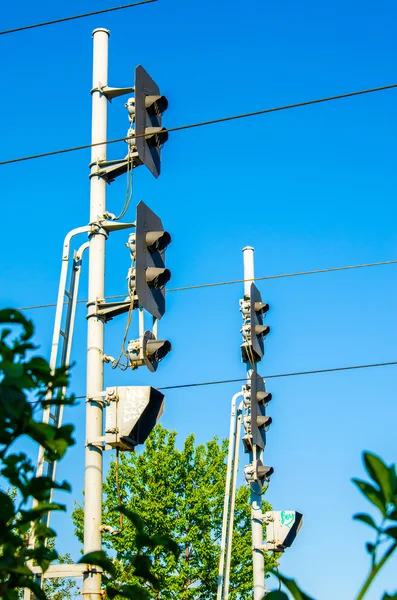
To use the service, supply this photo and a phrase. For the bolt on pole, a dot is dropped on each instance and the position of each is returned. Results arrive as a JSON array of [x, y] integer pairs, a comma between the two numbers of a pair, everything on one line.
[[258, 561], [95, 335]]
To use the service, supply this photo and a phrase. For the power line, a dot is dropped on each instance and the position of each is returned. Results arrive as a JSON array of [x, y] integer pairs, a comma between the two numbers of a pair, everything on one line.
[[234, 281], [277, 376], [74, 17], [202, 123]]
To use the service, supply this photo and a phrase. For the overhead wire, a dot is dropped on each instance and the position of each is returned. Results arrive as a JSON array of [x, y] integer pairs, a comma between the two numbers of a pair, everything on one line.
[[204, 123], [235, 281], [273, 376], [74, 17], [279, 375]]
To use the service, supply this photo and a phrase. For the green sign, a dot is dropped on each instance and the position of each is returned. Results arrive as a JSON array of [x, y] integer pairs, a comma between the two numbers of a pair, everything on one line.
[[287, 518]]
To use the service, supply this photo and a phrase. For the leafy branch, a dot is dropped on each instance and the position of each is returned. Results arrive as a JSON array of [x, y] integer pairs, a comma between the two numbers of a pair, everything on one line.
[[382, 494]]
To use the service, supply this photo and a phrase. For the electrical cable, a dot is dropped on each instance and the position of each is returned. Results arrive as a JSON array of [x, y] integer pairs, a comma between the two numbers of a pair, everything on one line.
[[277, 376], [235, 281], [74, 17], [203, 123]]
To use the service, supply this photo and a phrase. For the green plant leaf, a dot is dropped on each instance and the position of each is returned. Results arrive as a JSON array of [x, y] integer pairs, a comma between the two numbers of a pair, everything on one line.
[[277, 595], [6, 507], [133, 592], [133, 517], [370, 547], [373, 495], [143, 569], [40, 510], [292, 587], [366, 519], [40, 487], [99, 558], [386, 596], [391, 532], [380, 473], [10, 315]]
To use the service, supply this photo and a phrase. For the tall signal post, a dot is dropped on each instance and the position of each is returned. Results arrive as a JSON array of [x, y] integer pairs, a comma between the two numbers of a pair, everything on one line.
[[95, 335], [256, 422], [258, 561]]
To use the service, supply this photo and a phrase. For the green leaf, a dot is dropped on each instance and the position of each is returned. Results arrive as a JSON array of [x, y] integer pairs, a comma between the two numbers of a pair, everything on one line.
[[11, 565], [366, 519], [143, 569], [391, 532], [33, 586], [277, 595], [373, 495], [6, 507], [292, 587], [370, 547], [9, 315], [380, 473], [133, 592], [167, 543], [133, 517], [99, 558], [40, 487], [39, 511], [393, 515], [386, 596]]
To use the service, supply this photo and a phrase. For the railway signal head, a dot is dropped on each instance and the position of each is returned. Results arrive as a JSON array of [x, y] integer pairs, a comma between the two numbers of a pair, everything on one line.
[[254, 330], [131, 414], [149, 107], [259, 420], [151, 274]]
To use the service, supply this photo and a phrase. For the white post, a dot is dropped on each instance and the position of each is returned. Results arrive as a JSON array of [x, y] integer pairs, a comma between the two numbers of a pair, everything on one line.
[[258, 562], [232, 503], [226, 536], [96, 290]]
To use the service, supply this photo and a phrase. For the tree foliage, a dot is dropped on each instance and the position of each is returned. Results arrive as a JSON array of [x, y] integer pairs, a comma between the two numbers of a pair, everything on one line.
[[24, 384], [178, 493]]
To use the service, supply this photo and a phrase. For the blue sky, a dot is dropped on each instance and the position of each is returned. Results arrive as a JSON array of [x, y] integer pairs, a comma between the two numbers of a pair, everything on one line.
[[308, 188]]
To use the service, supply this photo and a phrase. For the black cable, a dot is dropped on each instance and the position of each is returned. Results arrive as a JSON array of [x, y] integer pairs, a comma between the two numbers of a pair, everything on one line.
[[202, 123], [278, 376], [296, 373], [74, 17], [234, 281]]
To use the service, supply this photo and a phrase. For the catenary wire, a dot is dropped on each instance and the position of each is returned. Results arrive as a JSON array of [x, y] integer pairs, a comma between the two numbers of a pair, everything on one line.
[[274, 376], [203, 123], [74, 17], [234, 281]]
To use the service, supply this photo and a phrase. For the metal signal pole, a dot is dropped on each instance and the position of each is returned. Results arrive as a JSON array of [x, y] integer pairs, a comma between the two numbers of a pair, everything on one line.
[[95, 337], [258, 561]]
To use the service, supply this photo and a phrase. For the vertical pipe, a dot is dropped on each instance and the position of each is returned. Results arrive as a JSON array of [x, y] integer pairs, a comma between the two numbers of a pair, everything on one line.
[[226, 536], [95, 334], [258, 562], [232, 502], [248, 258]]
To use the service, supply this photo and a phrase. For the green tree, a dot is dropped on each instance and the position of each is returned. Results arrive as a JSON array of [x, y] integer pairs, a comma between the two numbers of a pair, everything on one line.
[[178, 494]]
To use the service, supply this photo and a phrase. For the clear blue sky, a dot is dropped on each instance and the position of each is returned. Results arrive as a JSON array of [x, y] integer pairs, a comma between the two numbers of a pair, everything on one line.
[[309, 188]]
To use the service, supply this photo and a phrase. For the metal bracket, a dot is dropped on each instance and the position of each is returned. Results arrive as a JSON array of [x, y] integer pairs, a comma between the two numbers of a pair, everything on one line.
[[110, 169], [112, 92], [72, 570], [110, 226], [109, 310]]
